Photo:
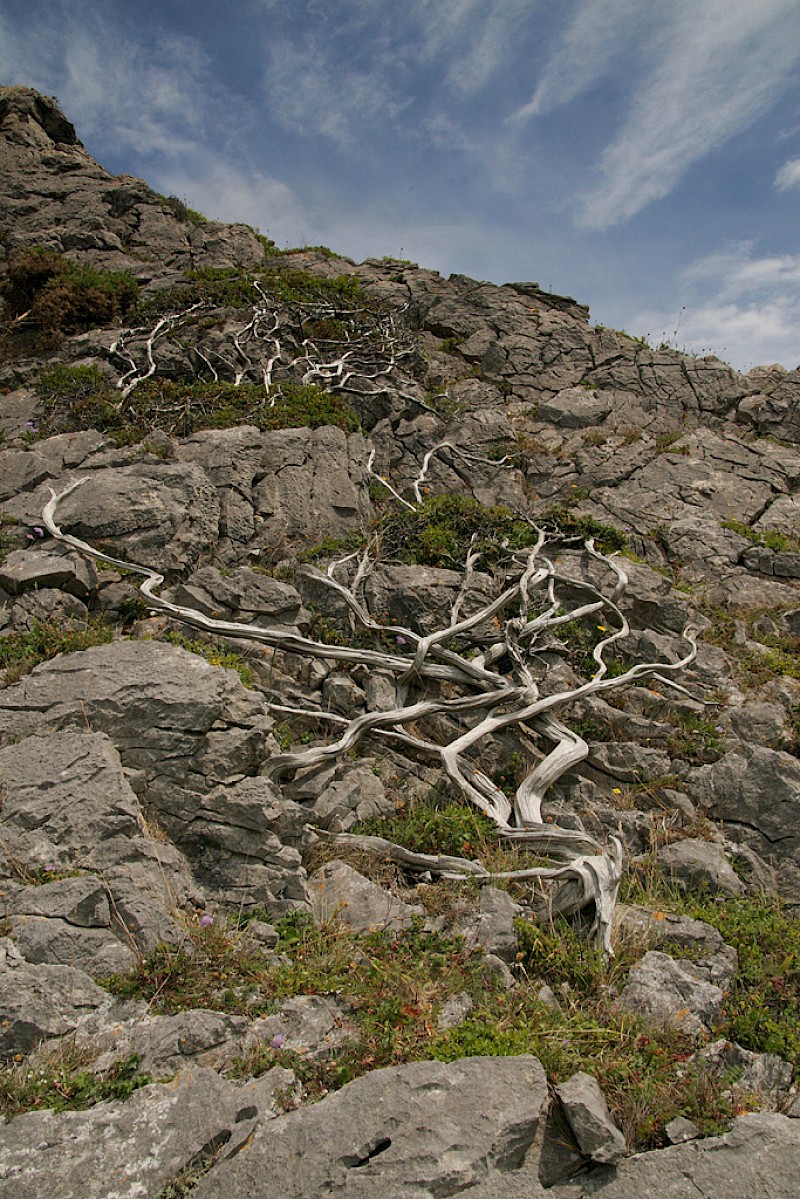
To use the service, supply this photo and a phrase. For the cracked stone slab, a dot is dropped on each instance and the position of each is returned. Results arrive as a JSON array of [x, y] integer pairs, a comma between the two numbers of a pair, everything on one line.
[[587, 1112], [132, 1150], [408, 1132], [339, 894]]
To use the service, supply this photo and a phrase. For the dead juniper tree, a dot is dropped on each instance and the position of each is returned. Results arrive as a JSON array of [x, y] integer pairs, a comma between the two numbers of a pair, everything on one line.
[[287, 327], [481, 673]]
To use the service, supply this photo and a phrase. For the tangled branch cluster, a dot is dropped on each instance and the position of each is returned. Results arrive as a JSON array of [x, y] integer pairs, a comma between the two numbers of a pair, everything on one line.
[[480, 674], [333, 341]]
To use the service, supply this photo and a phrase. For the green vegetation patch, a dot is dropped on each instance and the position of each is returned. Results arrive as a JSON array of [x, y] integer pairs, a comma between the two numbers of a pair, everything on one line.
[[570, 525], [20, 652], [762, 1009], [397, 983], [55, 294], [441, 529], [227, 287], [59, 1082], [215, 653], [434, 826], [82, 397], [771, 539], [779, 655]]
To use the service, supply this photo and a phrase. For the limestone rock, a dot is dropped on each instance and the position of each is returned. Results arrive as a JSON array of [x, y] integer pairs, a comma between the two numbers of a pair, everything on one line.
[[32, 570], [161, 513], [418, 1130], [133, 1150], [40, 1001], [339, 894], [587, 1112], [758, 1159], [666, 992], [700, 866], [491, 927], [756, 792], [764, 1073], [315, 1026]]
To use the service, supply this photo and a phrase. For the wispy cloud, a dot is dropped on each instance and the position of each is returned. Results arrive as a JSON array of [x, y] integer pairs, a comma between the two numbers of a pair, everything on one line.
[[698, 72], [721, 63], [600, 33], [153, 96], [788, 176], [149, 97], [346, 70], [225, 192]]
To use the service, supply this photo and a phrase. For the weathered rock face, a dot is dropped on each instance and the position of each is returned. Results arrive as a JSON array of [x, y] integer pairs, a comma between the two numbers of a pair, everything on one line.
[[136, 778], [137, 1148], [55, 194]]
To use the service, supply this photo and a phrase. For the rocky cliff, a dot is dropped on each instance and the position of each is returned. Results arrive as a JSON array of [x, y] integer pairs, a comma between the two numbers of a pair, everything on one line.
[[413, 532]]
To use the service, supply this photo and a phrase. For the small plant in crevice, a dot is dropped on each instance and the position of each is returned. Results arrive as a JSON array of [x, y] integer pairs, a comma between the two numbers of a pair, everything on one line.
[[215, 653]]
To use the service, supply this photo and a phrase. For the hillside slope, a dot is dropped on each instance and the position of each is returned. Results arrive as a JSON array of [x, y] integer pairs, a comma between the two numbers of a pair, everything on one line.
[[415, 532]]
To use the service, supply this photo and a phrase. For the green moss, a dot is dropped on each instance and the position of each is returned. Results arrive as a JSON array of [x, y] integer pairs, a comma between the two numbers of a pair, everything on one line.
[[180, 209], [574, 525], [770, 538], [762, 1009], [434, 826], [83, 397], [778, 655], [398, 981], [231, 288], [439, 532]]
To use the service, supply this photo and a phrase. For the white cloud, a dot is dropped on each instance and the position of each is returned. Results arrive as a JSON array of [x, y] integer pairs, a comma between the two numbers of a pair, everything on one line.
[[743, 308], [734, 271], [151, 98], [789, 175], [224, 192], [721, 63]]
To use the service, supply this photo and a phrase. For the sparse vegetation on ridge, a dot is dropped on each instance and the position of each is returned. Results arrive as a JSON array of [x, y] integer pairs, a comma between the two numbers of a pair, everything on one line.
[[20, 652]]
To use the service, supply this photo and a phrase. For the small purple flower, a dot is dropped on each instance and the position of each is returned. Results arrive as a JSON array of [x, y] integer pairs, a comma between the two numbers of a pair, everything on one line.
[[205, 920], [277, 1041], [31, 427], [401, 641]]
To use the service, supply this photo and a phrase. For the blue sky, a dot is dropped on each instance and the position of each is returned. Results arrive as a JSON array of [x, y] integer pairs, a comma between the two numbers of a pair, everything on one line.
[[641, 155]]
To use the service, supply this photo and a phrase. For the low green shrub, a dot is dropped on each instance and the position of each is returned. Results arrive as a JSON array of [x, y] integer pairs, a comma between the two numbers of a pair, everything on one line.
[[434, 826], [440, 530], [82, 397], [58, 295], [58, 1082]]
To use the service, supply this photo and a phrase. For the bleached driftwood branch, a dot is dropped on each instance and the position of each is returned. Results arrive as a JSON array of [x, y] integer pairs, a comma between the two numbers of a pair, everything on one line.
[[480, 673]]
